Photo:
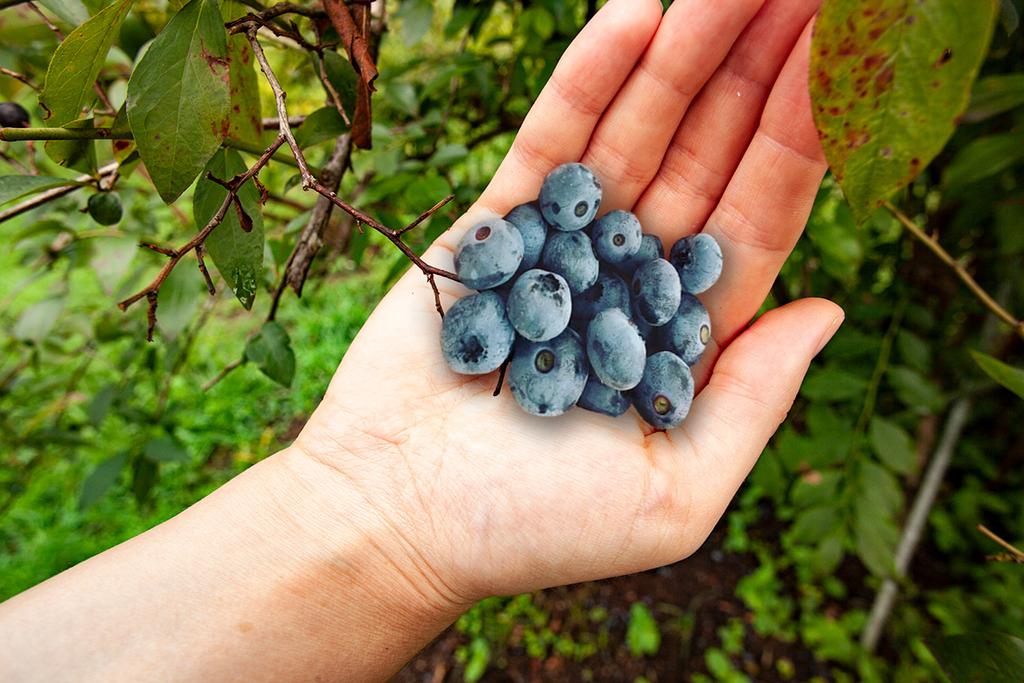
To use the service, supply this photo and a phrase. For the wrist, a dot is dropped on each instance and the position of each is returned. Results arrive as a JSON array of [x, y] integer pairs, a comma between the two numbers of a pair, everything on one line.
[[366, 559]]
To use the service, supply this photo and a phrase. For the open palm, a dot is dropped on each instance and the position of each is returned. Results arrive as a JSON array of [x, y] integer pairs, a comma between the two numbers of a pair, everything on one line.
[[695, 120]]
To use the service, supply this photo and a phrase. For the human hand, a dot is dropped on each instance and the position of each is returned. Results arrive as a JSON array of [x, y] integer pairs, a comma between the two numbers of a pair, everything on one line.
[[698, 120]]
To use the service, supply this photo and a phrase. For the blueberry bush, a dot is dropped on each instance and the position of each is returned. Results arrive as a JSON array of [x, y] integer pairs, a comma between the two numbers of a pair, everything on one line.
[[140, 168]]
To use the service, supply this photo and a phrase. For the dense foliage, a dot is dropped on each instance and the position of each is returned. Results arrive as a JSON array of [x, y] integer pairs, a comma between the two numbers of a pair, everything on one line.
[[104, 435]]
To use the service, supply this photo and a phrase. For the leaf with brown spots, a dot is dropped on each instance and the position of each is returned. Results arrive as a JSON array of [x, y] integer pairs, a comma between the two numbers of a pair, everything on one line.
[[178, 100], [245, 121], [888, 81]]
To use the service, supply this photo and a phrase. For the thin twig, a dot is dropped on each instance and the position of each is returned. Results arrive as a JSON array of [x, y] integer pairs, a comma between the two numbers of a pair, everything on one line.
[[150, 292], [1016, 552], [309, 182], [959, 270], [224, 372], [46, 20], [426, 214], [202, 269], [19, 77]]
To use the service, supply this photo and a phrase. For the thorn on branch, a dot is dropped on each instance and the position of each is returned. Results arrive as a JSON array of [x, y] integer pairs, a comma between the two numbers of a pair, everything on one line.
[[151, 298], [158, 249], [202, 269]]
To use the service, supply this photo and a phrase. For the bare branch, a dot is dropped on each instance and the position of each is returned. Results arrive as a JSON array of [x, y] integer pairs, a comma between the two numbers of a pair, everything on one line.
[[426, 214], [202, 269], [18, 77]]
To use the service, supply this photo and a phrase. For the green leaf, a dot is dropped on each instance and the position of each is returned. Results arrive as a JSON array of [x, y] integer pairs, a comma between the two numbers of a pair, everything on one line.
[[914, 350], [271, 351], [980, 657], [71, 12], [237, 254], [100, 480], [100, 404], [994, 95], [892, 444], [79, 155], [35, 322], [878, 488], [178, 101], [110, 259], [323, 124], [342, 77], [914, 391], [478, 660], [165, 449], [814, 524], [14, 187], [1008, 376], [179, 298], [875, 537], [642, 634], [416, 17], [889, 78], [246, 116], [832, 384], [144, 476], [77, 62], [984, 157]]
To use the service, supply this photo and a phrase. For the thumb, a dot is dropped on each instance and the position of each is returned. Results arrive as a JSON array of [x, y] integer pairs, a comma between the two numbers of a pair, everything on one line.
[[748, 396]]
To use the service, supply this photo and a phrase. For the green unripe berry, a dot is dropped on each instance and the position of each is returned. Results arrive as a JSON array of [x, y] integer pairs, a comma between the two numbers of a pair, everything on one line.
[[105, 208]]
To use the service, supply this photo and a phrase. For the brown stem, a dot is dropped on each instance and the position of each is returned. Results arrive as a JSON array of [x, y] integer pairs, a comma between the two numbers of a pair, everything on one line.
[[19, 77], [426, 214], [965, 277], [202, 269], [150, 292], [1009, 547]]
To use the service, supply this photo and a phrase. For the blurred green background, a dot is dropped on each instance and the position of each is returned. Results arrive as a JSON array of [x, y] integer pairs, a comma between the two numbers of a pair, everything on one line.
[[103, 435]]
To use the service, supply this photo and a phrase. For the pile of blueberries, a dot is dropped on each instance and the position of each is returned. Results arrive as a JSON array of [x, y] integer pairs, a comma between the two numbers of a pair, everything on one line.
[[589, 310]]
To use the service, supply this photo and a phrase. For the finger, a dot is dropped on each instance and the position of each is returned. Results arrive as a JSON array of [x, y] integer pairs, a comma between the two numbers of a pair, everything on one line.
[[749, 394], [627, 147], [766, 205], [718, 126], [563, 118]]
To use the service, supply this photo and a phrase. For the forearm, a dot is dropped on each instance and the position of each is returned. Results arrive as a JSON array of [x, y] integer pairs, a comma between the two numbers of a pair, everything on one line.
[[268, 578]]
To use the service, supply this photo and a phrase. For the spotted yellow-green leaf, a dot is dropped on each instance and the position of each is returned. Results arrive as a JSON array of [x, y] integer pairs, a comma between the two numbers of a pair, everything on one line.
[[237, 253], [178, 100], [77, 62], [888, 81], [246, 118]]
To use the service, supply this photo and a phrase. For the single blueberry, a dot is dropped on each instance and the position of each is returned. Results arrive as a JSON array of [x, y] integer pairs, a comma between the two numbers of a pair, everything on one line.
[[616, 237], [688, 332], [650, 249], [698, 258], [571, 255], [615, 349], [488, 254], [531, 226], [539, 305], [665, 393], [13, 115], [476, 335], [656, 292], [600, 398], [548, 377], [610, 291], [570, 197]]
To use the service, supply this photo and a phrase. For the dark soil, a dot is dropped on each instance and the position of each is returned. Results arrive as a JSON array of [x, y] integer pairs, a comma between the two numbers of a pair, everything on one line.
[[702, 587]]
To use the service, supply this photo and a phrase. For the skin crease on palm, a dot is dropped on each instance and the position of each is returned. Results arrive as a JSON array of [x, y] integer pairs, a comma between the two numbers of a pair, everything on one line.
[[696, 120], [412, 491]]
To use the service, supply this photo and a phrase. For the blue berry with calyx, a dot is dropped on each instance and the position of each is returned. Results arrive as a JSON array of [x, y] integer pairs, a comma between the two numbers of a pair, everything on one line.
[[547, 378], [488, 254], [688, 332], [656, 292], [616, 237], [598, 398], [664, 395], [650, 249], [13, 115], [571, 255], [610, 291], [570, 197], [539, 305], [528, 220], [615, 349], [476, 335], [698, 258]]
